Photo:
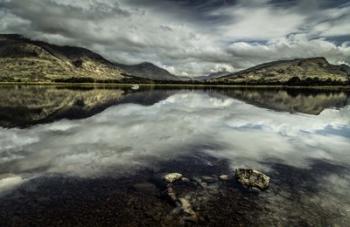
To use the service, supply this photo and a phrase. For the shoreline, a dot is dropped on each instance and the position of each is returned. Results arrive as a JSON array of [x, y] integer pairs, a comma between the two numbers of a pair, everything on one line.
[[184, 85]]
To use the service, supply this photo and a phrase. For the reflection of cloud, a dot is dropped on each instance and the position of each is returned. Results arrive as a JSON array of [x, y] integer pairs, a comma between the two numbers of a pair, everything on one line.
[[129, 136], [9, 182]]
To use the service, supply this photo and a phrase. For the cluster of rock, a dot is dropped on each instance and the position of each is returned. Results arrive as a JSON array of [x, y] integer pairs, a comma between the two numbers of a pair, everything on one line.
[[186, 203], [182, 203], [251, 178]]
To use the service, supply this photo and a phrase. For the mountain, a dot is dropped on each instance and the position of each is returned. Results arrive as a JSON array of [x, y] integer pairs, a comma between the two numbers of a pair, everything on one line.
[[212, 76], [25, 60], [148, 71], [307, 71]]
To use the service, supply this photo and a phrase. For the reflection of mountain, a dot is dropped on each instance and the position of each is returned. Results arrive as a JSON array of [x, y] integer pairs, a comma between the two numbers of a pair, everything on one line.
[[28, 105], [291, 100], [148, 97]]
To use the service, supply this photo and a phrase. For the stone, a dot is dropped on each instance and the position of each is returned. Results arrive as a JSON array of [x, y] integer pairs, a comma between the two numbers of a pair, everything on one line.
[[172, 177], [224, 177], [185, 179], [187, 209], [171, 193], [251, 178]]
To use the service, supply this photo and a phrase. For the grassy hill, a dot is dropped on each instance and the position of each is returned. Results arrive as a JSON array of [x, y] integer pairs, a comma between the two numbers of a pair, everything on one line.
[[309, 71]]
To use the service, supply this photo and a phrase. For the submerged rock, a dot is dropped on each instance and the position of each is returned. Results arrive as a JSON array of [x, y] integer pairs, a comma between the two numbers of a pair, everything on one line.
[[251, 178], [172, 177], [209, 179], [185, 179], [188, 210], [171, 193]]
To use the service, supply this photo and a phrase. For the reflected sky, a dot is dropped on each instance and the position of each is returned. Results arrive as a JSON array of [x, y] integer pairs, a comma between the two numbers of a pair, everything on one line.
[[127, 137]]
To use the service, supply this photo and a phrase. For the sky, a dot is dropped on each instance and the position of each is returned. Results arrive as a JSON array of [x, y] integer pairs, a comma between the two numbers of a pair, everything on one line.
[[188, 37]]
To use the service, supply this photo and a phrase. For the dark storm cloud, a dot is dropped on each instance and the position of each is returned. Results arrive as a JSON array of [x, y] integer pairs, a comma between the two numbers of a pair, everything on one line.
[[188, 37]]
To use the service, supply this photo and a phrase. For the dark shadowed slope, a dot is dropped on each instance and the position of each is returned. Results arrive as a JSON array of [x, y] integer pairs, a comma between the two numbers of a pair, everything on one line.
[[148, 71]]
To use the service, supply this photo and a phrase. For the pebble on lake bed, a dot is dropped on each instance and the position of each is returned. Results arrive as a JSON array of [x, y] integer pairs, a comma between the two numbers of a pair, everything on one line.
[[172, 177], [252, 178], [185, 179], [209, 179], [171, 194]]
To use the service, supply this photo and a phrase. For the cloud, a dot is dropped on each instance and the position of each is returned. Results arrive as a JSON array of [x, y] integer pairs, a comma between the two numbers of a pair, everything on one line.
[[293, 46], [190, 37], [260, 22]]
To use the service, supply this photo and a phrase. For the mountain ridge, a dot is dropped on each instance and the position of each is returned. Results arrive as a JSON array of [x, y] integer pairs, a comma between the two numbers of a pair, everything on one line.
[[26, 60], [147, 70], [293, 72]]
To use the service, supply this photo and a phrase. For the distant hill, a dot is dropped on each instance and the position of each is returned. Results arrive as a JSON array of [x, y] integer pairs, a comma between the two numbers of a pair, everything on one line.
[[148, 71], [25, 60], [212, 76], [291, 72]]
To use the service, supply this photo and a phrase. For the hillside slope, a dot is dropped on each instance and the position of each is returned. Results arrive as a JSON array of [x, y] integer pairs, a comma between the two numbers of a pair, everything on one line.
[[25, 60], [293, 72], [148, 71]]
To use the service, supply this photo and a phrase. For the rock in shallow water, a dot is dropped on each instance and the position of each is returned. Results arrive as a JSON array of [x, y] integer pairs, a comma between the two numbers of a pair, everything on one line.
[[172, 177], [187, 209], [209, 179], [252, 178], [171, 194]]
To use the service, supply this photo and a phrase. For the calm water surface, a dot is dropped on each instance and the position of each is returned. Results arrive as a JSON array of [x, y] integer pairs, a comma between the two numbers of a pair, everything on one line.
[[82, 156]]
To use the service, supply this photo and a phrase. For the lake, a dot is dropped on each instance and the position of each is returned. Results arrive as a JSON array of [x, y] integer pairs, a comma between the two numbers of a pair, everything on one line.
[[96, 156]]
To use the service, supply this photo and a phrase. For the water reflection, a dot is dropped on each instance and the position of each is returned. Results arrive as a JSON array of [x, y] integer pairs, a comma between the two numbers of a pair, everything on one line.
[[306, 154], [310, 101], [23, 106]]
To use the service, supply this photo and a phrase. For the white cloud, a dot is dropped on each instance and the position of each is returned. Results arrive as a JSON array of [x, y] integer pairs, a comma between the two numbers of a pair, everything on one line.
[[287, 48], [260, 23], [331, 22]]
